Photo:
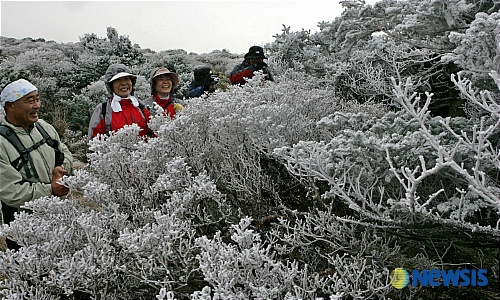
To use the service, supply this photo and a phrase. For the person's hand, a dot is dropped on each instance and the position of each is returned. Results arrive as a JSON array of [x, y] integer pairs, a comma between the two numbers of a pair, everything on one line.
[[157, 109], [58, 189]]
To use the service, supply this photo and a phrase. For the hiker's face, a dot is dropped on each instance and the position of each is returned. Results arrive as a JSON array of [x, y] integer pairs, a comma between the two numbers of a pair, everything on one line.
[[255, 60], [122, 86], [24, 112], [163, 85]]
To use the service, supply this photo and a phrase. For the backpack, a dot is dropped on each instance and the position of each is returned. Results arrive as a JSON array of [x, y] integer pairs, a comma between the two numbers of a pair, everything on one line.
[[24, 154]]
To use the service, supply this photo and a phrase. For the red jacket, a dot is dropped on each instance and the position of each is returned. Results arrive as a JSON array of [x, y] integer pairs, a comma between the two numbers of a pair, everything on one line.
[[166, 104], [245, 69], [129, 115], [240, 77]]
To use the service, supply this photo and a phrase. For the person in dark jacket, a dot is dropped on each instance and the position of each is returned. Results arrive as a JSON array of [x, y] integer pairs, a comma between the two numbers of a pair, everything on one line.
[[254, 61], [204, 83], [163, 82], [121, 108]]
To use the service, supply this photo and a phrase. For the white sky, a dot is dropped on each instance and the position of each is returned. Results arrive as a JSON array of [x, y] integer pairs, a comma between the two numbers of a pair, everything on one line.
[[194, 26]]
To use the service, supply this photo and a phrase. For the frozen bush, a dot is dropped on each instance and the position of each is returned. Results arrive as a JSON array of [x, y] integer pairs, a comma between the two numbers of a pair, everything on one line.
[[136, 209], [246, 268]]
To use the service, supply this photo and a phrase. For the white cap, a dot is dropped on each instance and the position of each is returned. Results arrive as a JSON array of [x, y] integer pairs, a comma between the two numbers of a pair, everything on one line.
[[120, 75], [16, 90]]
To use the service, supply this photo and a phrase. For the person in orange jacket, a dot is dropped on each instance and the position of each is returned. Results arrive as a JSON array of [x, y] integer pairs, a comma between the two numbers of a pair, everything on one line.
[[254, 61]]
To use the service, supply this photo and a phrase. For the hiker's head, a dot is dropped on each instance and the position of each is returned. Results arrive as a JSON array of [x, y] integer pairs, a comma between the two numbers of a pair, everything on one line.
[[21, 103], [163, 81], [122, 86], [203, 76], [255, 52], [119, 80]]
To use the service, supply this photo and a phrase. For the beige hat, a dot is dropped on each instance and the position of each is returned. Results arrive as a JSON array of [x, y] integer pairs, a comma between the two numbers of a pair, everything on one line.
[[162, 71]]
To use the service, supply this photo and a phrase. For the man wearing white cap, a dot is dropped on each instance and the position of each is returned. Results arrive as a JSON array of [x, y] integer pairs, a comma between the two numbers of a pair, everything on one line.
[[32, 157]]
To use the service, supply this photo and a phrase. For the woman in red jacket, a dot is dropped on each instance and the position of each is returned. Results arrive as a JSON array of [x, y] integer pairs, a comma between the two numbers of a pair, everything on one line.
[[122, 108], [163, 82]]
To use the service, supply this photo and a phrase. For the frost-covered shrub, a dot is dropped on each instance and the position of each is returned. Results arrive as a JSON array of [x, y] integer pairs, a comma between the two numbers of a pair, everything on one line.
[[129, 229], [76, 144], [350, 260], [405, 163], [406, 173], [150, 218], [477, 49], [247, 268], [69, 248], [231, 135], [2, 113], [357, 153]]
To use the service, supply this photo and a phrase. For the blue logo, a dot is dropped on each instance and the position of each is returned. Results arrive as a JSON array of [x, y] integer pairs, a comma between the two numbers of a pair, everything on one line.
[[434, 277]]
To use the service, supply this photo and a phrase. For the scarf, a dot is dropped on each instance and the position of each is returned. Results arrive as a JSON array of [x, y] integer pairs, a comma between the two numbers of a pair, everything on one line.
[[115, 102]]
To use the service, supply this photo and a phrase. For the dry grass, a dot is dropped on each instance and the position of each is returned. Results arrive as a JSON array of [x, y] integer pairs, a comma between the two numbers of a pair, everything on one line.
[[3, 245]]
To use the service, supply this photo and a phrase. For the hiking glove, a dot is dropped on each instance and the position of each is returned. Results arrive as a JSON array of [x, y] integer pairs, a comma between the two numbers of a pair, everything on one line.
[[178, 107]]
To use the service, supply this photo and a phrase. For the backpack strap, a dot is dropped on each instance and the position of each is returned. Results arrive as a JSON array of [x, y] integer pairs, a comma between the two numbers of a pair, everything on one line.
[[59, 156], [24, 158], [107, 124], [142, 108]]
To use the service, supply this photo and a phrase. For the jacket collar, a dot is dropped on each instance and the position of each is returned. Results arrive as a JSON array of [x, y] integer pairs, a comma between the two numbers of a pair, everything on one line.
[[17, 128]]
